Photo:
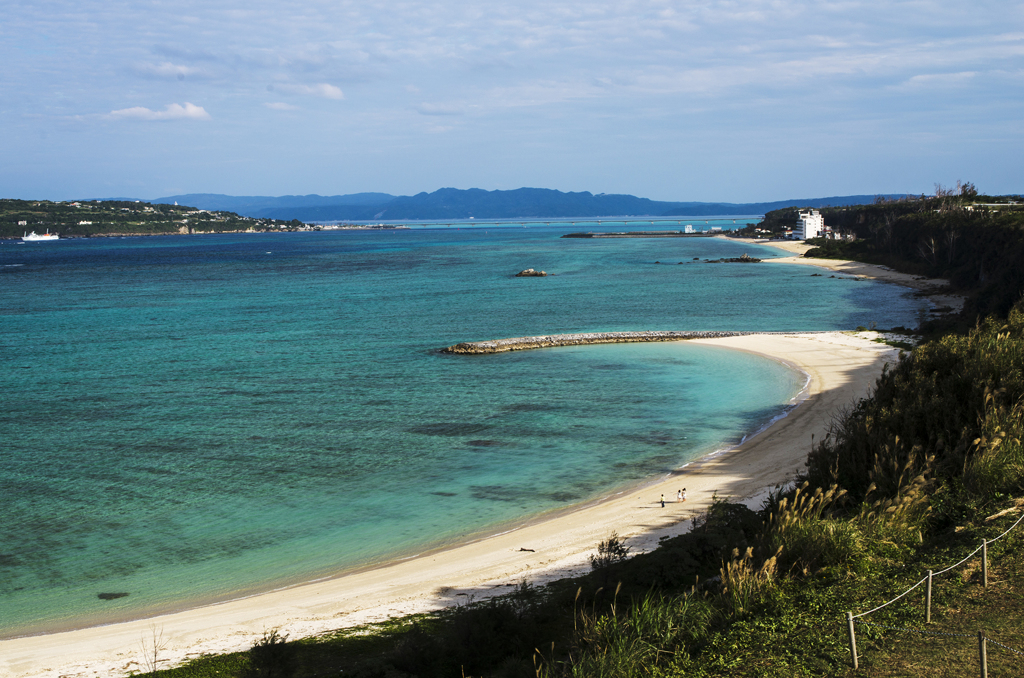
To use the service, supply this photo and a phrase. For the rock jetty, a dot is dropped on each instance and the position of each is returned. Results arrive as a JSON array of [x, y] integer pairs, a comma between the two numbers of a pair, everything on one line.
[[552, 340], [643, 234], [530, 273]]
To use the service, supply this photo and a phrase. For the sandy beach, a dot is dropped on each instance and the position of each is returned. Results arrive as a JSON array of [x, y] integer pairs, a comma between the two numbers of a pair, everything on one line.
[[841, 368], [935, 289]]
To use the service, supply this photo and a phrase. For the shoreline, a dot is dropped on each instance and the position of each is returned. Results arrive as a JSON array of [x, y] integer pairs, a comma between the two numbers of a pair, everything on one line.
[[935, 290], [840, 368]]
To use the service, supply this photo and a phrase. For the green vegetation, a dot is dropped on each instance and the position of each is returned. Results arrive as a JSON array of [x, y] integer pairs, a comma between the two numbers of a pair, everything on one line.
[[909, 480], [122, 217]]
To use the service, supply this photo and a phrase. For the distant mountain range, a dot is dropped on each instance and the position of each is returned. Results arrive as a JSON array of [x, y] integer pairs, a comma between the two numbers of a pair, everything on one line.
[[261, 205], [452, 203]]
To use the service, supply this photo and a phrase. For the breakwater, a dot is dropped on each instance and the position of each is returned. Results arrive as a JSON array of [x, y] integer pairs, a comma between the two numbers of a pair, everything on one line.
[[644, 234], [552, 340]]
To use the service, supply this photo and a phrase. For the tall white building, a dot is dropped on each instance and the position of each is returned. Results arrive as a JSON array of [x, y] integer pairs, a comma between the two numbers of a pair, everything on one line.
[[809, 225]]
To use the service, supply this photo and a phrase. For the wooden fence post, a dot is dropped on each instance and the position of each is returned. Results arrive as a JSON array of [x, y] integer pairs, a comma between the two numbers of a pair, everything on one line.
[[982, 654], [853, 639], [928, 600], [984, 563]]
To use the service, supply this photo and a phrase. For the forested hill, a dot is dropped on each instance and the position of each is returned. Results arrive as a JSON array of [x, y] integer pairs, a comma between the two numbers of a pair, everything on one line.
[[451, 203], [263, 206], [122, 217]]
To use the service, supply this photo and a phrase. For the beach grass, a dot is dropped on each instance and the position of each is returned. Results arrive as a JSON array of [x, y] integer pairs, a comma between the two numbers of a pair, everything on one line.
[[753, 622]]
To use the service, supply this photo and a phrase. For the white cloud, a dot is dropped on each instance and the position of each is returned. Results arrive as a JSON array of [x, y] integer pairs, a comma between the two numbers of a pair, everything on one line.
[[441, 109], [168, 70], [550, 73], [187, 111], [321, 90], [939, 80]]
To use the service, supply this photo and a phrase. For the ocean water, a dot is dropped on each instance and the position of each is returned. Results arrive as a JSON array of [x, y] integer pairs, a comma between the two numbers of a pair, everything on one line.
[[192, 418]]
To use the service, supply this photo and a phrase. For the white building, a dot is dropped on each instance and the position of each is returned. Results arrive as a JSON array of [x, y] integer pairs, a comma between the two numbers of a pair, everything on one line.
[[809, 225]]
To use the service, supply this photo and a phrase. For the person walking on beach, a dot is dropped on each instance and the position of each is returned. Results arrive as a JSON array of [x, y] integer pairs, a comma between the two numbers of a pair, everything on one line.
[[682, 495], [663, 501], [679, 496]]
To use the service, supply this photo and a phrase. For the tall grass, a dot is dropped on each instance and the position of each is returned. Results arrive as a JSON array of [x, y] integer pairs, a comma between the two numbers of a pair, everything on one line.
[[744, 583], [950, 411], [647, 637]]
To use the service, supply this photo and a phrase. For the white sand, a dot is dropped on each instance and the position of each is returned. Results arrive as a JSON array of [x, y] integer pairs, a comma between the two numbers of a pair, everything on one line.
[[936, 289], [842, 368]]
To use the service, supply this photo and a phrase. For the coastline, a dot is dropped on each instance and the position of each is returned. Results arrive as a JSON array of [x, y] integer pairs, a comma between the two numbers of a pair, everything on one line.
[[934, 289], [841, 368]]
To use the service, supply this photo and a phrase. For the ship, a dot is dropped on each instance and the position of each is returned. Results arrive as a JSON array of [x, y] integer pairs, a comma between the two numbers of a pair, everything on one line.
[[33, 237]]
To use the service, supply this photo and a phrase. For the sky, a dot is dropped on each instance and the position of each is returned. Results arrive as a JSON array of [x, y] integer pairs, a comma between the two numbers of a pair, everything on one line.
[[705, 100]]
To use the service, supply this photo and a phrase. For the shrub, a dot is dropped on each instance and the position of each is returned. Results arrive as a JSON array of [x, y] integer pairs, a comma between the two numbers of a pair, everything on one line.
[[814, 544], [272, 657], [609, 552]]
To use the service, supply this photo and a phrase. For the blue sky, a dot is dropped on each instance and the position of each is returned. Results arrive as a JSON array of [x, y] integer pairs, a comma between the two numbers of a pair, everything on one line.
[[702, 100]]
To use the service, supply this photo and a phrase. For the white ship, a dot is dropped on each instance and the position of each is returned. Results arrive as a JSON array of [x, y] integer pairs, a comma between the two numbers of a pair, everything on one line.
[[32, 237]]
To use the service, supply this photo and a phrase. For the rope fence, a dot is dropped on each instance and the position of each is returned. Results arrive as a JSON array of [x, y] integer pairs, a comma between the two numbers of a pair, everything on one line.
[[886, 604], [951, 567], [921, 631], [983, 640], [1006, 647]]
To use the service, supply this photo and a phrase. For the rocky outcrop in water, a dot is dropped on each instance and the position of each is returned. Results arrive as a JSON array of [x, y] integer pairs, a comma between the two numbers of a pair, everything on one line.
[[530, 273], [745, 259]]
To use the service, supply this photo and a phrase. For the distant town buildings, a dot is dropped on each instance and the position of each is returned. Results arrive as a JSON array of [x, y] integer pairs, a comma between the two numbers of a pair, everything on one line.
[[809, 225]]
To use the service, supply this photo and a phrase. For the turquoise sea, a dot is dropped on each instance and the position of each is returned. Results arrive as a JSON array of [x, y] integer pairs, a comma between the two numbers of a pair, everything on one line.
[[192, 418]]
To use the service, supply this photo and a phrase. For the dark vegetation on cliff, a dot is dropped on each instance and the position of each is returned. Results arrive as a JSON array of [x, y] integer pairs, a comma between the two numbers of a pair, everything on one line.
[[908, 480], [974, 241]]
